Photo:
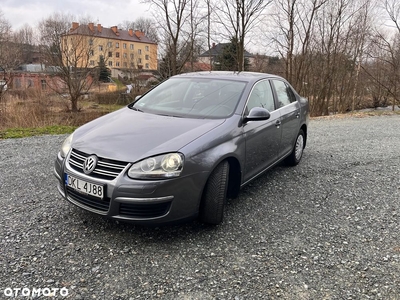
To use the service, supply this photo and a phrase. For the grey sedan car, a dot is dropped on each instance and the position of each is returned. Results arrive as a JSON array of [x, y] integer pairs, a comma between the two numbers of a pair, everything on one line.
[[180, 150]]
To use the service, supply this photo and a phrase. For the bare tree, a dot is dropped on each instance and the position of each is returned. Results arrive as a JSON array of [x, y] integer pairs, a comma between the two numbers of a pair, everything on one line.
[[392, 8], [68, 54], [173, 16], [238, 18], [294, 27], [387, 51], [10, 54], [145, 25]]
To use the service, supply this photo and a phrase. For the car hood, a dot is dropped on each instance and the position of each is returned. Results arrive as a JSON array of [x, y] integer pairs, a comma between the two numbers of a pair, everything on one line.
[[128, 135]]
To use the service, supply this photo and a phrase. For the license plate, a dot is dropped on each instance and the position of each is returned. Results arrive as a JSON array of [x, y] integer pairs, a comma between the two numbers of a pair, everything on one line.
[[84, 187]]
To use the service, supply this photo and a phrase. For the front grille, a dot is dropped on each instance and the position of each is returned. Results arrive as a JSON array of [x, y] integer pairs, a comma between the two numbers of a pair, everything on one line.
[[105, 169], [89, 201], [144, 210]]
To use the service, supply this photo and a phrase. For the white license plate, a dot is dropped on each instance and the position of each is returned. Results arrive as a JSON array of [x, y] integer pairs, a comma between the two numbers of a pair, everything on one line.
[[84, 187]]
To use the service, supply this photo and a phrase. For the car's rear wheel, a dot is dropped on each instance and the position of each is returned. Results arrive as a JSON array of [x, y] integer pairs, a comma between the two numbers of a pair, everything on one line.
[[214, 195], [297, 152]]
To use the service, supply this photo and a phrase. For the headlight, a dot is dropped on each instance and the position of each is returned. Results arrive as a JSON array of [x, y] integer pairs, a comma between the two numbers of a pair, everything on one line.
[[162, 166], [66, 146]]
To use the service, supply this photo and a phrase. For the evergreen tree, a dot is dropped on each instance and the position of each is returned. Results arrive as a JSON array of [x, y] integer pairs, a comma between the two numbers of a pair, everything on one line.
[[104, 72], [227, 60]]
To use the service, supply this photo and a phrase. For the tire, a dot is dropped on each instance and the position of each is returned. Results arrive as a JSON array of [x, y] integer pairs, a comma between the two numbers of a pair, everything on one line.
[[214, 195], [295, 156]]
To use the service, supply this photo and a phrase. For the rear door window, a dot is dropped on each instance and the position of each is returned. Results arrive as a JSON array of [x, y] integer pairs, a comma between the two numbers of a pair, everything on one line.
[[284, 93]]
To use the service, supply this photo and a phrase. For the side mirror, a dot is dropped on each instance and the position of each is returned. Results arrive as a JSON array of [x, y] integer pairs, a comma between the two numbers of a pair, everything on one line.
[[257, 114]]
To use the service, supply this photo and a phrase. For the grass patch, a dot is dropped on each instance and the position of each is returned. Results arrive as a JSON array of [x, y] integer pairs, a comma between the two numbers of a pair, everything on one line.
[[27, 132]]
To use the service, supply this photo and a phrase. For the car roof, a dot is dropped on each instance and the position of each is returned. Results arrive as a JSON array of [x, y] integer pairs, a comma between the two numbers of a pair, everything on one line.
[[232, 75]]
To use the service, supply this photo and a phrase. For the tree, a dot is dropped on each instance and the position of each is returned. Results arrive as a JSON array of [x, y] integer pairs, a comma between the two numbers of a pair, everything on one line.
[[10, 54], [238, 18], [68, 53], [178, 28], [227, 59], [104, 72], [145, 25]]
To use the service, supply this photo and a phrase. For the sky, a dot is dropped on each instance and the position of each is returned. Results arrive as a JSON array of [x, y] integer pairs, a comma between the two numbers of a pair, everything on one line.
[[106, 12]]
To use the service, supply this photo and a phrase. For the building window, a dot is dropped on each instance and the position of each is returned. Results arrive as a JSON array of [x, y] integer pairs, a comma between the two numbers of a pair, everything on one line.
[[139, 51], [109, 44], [147, 66], [17, 83], [125, 55], [132, 64], [110, 63], [29, 83], [125, 64], [116, 45], [147, 57], [117, 64], [110, 54], [91, 63], [91, 52], [124, 44], [139, 61], [132, 56], [90, 42], [44, 84], [116, 54], [147, 48], [131, 46], [100, 47]]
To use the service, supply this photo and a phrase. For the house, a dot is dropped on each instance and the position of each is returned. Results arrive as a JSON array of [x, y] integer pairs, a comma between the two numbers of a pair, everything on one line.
[[37, 77], [124, 51], [211, 56], [196, 66]]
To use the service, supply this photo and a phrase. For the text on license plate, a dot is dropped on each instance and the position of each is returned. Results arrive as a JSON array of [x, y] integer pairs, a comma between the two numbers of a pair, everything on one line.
[[85, 187]]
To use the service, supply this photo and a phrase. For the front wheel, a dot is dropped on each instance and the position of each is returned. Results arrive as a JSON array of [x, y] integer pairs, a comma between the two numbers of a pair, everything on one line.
[[294, 158], [214, 195]]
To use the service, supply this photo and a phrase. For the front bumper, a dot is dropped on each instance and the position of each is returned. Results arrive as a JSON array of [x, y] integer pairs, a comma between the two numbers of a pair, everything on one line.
[[138, 201]]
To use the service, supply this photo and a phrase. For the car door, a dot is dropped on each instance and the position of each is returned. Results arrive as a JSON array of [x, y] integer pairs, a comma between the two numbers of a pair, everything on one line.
[[262, 137], [289, 109]]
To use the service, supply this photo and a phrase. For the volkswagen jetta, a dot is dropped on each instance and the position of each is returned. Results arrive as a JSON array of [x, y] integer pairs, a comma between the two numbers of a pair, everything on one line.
[[180, 150]]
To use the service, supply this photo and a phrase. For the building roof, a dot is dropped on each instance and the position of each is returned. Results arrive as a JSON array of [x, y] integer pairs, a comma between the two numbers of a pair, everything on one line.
[[217, 50], [114, 33], [197, 66]]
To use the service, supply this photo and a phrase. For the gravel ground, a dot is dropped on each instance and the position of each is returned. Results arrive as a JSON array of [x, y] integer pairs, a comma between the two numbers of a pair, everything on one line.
[[326, 229]]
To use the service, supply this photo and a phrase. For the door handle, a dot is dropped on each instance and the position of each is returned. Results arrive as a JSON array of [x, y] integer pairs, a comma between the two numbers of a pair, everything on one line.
[[278, 123], [297, 115]]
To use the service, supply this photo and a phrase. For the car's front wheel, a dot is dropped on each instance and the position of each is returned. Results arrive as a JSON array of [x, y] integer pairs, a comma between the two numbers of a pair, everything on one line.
[[297, 153], [214, 195]]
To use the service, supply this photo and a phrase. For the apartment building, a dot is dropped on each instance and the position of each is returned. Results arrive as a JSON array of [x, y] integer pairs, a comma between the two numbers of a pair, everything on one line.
[[123, 51]]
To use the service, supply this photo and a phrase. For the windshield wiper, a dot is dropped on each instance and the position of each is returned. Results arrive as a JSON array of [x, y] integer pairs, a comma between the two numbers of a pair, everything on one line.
[[137, 109], [173, 116]]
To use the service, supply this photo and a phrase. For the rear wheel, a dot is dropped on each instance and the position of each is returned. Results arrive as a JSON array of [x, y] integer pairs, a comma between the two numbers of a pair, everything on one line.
[[297, 152], [214, 195]]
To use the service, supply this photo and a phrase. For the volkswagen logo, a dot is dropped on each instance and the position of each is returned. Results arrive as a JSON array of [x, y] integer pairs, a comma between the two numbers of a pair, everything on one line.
[[90, 164]]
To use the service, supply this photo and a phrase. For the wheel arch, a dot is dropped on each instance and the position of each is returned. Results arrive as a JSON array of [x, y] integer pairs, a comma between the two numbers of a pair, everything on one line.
[[304, 128], [235, 177]]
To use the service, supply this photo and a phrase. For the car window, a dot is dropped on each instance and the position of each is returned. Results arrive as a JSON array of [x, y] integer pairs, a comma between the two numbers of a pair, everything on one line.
[[193, 97], [284, 93], [261, 96]]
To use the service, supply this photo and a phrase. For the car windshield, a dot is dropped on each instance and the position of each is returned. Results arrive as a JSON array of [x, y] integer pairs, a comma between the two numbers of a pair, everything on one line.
[[192, 98]]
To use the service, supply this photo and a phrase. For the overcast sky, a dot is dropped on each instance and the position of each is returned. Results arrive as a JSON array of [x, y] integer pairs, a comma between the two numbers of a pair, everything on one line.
[[105, 12]]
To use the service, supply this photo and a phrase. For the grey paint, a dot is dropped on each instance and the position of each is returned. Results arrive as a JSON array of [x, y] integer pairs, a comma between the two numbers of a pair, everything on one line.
[[130, 136]]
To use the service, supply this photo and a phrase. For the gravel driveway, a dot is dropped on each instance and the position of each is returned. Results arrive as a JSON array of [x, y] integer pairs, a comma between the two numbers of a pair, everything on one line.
[[326, 229]]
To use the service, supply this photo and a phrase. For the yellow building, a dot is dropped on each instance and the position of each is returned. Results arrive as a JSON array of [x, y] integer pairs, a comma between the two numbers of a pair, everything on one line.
[[124, 51]]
